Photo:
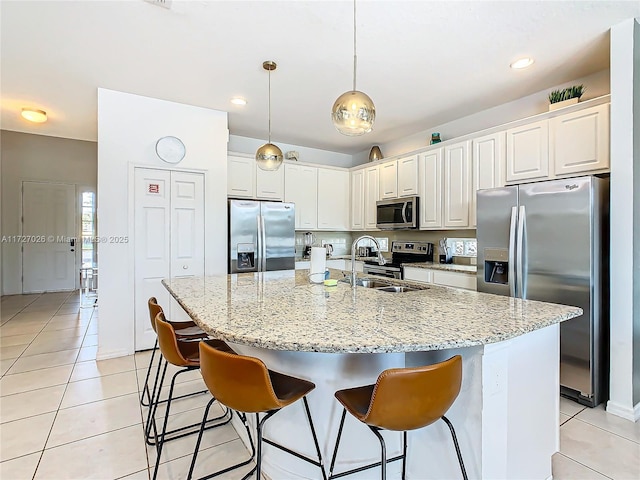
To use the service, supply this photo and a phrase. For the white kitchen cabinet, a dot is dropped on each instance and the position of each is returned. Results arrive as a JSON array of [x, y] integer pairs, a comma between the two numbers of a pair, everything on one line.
[[241, 177], [488, 166], [269, 184], [357, 199], [338, 264], [528, 152], [301, 188], [333, 199], [371, 196], [457, 185], [430, 189], [407, 176], [388, 180], [441, 277], [580, 141], [246, 180]]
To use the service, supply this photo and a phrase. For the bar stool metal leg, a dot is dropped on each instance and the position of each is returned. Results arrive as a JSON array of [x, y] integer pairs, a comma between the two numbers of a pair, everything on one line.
[[145, 389], [383, 452], [404, 456], [455, 442]]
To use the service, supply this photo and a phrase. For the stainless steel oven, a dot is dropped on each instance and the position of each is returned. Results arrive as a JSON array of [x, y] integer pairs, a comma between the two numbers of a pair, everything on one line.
[[397, 213]]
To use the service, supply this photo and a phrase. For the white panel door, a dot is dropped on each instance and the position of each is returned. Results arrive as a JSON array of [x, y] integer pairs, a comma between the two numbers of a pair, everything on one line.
[[333, 199], [48, 225], [269, 184], [187, 230], [371, 196], [528, 152], [457, 185], [430, 188], [152, 218], [241, 177], [389, 180], [301, 188], [580, 141], [357, 200], [408, 176], [488, 167]]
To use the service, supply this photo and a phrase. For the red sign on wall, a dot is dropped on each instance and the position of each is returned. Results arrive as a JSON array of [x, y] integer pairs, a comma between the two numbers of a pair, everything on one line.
[[154, 188]]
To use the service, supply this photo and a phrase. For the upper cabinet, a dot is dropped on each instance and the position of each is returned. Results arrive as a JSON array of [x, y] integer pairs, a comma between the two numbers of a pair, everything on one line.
[[241, 177], [580, 141], [301, 188], [246, 180], [399, 178], [457, 185], [333, 199], [408, 176], [487, 167], [388, 179], [357, 199], [430, 189], [528, 152]]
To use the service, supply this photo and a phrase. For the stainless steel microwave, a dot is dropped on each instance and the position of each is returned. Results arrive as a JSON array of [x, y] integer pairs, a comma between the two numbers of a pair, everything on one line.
[[397, 213]]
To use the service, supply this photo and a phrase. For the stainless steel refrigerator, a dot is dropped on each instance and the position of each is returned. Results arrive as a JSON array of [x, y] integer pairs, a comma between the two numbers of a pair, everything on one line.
[[548, 241], [261, 236]]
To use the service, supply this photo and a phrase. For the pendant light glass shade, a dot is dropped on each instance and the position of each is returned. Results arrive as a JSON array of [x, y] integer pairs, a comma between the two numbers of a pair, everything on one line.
[[269, 156], [353, 113]]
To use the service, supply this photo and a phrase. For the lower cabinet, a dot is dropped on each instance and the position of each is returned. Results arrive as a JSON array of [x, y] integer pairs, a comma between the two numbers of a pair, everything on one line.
[[359, 266], [441, 277]]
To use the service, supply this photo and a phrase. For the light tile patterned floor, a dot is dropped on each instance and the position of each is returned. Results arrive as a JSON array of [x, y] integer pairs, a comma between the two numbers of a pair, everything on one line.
[[64, 415]]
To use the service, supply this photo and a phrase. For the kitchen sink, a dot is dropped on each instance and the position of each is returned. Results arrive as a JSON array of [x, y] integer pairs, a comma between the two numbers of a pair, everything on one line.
[[397, 289], [366, 283]]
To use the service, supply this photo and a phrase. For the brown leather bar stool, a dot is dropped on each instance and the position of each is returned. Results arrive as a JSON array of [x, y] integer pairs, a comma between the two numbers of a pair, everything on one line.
[[403, 399], [244, 384], [187, 356], [184, 331]]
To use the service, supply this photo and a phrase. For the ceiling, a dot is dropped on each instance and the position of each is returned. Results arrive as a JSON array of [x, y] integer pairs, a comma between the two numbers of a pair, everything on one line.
[[423, 63]]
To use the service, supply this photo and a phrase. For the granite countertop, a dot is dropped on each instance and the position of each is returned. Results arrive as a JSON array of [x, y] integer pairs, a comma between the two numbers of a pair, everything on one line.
[[282, 311], [449, 267]]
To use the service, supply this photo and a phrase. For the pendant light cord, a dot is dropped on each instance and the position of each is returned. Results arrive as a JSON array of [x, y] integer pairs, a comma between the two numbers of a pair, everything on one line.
[[355, 56], [269, 96]]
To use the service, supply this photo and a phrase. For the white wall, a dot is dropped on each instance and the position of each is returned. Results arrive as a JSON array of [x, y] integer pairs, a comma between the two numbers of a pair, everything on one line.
[[625, 220], [596, 85], [307, 154], [128, 128], [27, 157]]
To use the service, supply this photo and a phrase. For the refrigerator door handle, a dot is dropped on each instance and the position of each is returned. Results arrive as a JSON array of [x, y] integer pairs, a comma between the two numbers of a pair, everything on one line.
[[522, 284], [263, 241], [512, 252], [259, 249]]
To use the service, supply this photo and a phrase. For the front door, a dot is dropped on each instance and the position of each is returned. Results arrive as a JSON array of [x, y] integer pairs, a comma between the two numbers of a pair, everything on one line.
[[48, 227]]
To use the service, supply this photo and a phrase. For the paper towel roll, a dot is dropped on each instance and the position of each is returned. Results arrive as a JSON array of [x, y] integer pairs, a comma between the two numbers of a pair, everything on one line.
[[318, 264]]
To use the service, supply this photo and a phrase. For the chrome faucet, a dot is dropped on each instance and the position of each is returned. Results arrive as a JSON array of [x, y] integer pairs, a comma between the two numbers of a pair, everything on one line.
[[381, 260]]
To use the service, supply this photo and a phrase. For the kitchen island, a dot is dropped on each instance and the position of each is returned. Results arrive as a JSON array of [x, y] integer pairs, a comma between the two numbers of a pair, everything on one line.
[[506, 415]]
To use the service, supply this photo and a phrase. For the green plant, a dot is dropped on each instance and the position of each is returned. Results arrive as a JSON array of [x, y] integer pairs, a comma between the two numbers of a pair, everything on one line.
[[571, 92]]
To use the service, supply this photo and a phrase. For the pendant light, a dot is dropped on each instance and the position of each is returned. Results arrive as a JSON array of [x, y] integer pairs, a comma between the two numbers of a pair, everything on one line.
[[353, 113], [269, 156]]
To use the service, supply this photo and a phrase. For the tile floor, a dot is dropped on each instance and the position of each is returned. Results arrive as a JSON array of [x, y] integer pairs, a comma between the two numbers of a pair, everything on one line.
[[63, 415]]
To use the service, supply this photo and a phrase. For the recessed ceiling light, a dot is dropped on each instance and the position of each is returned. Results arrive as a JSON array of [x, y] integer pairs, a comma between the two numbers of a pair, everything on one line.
[[522, 63], [239, 101], [33, 115]]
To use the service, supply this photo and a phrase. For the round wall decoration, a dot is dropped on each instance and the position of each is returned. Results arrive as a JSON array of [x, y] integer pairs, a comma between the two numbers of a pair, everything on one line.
[[170, 149]]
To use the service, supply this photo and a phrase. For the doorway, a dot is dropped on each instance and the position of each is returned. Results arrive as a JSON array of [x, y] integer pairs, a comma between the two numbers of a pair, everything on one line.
[[48, 237], [169, 240]]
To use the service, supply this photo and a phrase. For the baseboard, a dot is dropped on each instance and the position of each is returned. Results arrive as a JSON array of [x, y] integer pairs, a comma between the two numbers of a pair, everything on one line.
[[632, 414], [107, 354]]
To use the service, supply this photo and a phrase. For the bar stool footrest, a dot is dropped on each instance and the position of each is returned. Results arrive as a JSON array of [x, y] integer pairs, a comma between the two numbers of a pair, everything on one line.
[[363, 468]]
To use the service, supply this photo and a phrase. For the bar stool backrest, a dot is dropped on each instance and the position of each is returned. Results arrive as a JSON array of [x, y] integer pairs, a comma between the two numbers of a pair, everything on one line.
[[154, 310], [168, 342], [409, 398], [240, 382]]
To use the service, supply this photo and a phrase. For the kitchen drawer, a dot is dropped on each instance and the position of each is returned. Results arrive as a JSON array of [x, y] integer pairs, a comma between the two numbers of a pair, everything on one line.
[[418, 274], [454, 279]]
